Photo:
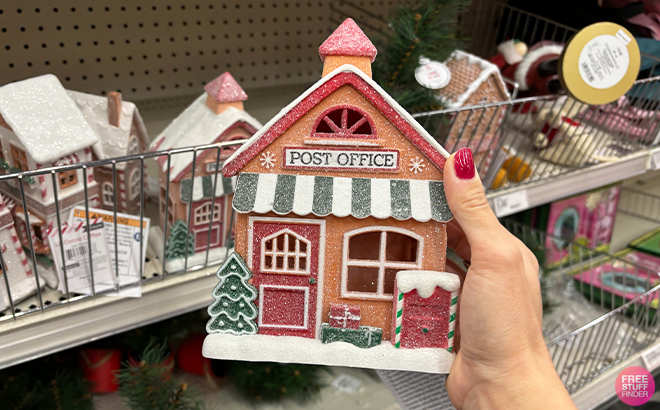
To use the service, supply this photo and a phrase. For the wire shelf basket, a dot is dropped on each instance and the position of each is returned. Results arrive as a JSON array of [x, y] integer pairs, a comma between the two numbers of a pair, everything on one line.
[[625, 325]]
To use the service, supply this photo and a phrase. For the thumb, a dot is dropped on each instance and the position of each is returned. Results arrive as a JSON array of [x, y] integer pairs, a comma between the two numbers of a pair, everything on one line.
[[467, 200]]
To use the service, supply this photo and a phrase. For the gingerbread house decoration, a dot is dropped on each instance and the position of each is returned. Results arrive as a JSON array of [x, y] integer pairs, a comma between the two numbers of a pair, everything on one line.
[[335, 195], [121, 132], [474, 81], [194, 181], [41, 126], [20, 276]]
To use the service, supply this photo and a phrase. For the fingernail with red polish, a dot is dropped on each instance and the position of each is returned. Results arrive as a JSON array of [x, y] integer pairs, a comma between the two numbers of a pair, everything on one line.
[[464, 163]]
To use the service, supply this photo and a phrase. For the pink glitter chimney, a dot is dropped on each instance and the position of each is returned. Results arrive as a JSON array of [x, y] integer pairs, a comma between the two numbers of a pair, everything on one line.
[[224, 92], [347, 45]]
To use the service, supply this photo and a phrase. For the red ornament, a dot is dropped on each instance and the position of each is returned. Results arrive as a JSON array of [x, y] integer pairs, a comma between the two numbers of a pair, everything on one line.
[[99, 366]]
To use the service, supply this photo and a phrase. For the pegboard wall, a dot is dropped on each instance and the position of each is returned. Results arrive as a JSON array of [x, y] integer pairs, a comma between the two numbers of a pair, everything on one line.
[[161, 49]]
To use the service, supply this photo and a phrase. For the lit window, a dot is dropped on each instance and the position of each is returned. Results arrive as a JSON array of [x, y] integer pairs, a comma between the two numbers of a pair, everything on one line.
[[135, 184], [203, 213], [344, 122], [285, 252], [373, 256], [133, 145], [20, 158], [68, 178], [108, 194]]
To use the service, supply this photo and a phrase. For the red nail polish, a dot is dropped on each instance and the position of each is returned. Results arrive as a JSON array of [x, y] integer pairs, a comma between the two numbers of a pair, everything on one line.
[[464, 163]]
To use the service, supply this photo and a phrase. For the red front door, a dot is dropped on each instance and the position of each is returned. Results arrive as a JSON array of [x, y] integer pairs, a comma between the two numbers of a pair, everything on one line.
[[285, 265]]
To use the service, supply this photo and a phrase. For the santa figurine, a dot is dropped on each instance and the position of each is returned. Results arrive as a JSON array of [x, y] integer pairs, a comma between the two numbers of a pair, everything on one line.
[[510, 54]]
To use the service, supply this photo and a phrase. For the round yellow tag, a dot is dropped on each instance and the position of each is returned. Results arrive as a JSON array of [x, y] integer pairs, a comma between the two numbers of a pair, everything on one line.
[[600, 63]]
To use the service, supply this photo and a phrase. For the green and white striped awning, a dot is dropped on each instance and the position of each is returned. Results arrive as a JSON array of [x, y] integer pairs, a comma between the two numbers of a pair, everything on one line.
[[341, 197], [203, 187]]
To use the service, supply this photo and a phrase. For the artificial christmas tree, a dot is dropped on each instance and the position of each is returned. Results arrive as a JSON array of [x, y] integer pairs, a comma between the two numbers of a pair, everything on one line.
[[233, 311], [176, 243]]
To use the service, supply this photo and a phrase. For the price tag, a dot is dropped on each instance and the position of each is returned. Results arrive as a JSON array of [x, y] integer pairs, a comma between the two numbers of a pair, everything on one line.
[[432, 74], [654, 161], [509, 204], [347, 384], [651, 358]]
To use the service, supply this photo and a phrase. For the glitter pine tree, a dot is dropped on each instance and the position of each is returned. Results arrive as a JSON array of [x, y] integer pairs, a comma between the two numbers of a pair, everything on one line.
[[176, 243], [233, 311]]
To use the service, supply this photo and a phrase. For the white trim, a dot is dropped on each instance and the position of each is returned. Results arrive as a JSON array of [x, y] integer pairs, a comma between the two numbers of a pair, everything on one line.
[[488, 69], [303, 191], [321, 255], [136, 194], [381, 264], [285, 254], [103, 194], [342, 69], [339, 143], [214, 227], [133, 143], [520, 75], [306, 311]]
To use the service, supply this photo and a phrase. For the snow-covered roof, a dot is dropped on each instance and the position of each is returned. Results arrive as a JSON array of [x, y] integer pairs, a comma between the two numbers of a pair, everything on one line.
[[471, 71], [197, 125], [328, 78], [425, 281], [348, 40], [113, 141], [45, 119]]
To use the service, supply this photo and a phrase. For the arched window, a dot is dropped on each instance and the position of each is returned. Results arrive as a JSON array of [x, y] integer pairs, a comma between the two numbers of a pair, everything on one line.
[[227, 151], [372, 257], [344, 122], [285, 252], [108, 194], [203, 213], [135, 183], [133, 145]]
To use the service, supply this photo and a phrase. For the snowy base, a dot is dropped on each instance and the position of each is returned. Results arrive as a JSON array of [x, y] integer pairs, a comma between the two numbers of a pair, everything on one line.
[[216, 255], [289, 349]]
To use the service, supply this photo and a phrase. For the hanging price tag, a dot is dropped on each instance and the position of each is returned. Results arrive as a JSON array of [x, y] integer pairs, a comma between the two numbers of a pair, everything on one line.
[[432, 74], [511, 203], [651, 358]]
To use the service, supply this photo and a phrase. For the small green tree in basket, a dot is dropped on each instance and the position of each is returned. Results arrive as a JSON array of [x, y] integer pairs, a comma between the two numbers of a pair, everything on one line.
[[176, 243]]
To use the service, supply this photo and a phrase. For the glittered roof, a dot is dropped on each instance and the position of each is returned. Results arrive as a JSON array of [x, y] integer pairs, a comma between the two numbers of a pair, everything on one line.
[[348, 40], [225, 89]]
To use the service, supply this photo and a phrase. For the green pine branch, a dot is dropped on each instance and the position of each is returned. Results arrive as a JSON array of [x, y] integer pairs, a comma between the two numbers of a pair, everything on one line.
[[149, 384], [429, 29]]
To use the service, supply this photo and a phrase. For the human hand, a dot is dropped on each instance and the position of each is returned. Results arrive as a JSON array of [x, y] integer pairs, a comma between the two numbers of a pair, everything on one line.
[[502, 360]]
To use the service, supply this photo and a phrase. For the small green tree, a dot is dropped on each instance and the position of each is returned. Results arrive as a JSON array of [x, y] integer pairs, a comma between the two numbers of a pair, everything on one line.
[[176, 243], [148, 384], [233, 311]]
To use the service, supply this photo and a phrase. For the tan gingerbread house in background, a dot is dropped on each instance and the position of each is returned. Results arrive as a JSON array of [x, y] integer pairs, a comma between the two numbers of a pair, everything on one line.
[[121, 132], [215, 116], [474, 81]]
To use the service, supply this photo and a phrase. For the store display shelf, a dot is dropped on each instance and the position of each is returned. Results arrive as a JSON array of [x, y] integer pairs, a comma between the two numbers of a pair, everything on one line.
[[63, 327], [525, 196]]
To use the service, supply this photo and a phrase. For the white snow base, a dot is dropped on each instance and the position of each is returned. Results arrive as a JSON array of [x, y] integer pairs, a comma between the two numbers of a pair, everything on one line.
[[290, 349], [216, 255]]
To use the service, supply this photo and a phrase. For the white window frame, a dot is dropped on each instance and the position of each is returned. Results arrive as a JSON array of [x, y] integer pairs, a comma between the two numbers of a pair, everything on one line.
[[203, 213], [285, 253], [135, 183], [108, 197], [381, 263], [304, 289], [133, 145]]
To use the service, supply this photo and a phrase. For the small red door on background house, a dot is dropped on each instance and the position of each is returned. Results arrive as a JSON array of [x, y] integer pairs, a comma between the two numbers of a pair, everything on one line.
[[285, 268], [202, 213]]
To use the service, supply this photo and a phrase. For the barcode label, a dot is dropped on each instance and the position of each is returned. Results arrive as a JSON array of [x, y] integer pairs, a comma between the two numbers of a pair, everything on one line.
[[79, 251], [587, 72]]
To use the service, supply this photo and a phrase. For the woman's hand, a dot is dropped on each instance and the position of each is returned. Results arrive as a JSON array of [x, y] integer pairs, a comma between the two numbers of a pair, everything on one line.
[[502, 360]]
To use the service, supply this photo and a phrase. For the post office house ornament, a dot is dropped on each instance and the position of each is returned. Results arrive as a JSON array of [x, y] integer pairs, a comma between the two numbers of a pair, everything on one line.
[[341, 224]]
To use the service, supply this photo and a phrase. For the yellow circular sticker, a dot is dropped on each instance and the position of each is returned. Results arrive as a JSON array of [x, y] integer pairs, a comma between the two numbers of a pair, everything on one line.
[[600, 63]]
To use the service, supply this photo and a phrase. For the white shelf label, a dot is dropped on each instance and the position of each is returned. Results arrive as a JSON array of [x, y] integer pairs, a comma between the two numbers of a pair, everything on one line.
[[510, 203], [651, 358], [347, 384], [654, 162]]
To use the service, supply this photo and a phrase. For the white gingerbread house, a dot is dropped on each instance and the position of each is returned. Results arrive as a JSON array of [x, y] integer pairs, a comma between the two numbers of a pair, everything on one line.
[[41, 126]]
